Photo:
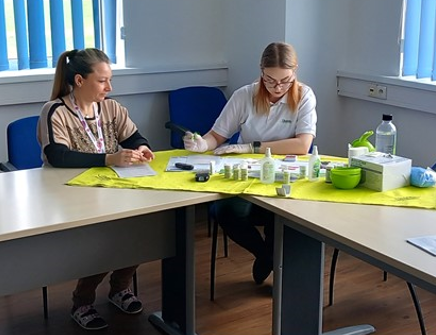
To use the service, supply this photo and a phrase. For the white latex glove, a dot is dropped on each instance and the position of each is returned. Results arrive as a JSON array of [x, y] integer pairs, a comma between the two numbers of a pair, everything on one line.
[[194, 142], [234, 149]]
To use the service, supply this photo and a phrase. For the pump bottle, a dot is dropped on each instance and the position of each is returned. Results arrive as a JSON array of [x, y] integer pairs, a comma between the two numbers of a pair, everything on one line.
[[267, 168], [314, 164]]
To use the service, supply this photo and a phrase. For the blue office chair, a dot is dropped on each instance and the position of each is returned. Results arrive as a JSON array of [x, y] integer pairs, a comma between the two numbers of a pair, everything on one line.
[[24, 151], [193, 108]]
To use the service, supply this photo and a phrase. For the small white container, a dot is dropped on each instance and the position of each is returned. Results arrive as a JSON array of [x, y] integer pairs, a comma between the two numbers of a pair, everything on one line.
[[286, 176], [212, 167], [244, 171]]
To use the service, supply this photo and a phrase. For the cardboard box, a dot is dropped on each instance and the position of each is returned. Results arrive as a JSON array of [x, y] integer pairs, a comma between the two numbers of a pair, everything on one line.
[[383, 172]]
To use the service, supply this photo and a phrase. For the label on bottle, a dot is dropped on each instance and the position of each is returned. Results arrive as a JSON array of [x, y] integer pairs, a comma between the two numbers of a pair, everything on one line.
[[315, 169], [267, 172], [385, 143]]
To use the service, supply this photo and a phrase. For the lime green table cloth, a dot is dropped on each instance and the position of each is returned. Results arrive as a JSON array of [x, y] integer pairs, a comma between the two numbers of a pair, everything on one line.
[[301, 189]]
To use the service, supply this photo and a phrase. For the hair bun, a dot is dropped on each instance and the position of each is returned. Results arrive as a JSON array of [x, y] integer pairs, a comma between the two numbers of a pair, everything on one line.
[[71, 55]]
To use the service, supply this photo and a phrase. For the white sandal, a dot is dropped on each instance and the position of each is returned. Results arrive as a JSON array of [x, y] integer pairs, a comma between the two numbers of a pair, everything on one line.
[[127, 302], [88, 318]]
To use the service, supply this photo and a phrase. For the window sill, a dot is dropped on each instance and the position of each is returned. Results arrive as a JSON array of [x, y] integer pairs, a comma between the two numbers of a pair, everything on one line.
[[413, 94], [35, 86]]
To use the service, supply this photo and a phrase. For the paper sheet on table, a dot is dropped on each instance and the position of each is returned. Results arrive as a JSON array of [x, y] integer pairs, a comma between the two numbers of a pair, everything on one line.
[[200, 162], [136, 170], [426, 243]]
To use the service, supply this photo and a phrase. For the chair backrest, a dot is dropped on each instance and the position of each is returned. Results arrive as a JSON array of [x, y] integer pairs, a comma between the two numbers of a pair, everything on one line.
[[24, 151], [195, 108]]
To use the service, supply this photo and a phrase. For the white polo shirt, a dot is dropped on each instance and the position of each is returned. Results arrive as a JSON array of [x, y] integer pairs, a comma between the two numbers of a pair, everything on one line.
[[240, 115]]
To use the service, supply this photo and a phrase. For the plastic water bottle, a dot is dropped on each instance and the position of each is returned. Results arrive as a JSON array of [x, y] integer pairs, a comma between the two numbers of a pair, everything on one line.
[[267, 168], [386, 136]]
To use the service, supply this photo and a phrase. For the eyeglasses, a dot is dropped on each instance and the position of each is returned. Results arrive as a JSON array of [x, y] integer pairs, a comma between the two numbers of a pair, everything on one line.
[[271, 83]]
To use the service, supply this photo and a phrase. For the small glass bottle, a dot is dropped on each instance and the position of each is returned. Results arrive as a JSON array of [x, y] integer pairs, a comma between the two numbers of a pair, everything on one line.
[[227, 171], [386, 136], [303, 171], [212, 167], [244, 171], [286, 176], [328, 170], [236, 172]]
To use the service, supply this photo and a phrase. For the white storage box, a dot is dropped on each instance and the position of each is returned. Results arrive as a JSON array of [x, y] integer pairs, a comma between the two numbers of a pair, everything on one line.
[[383, 172]]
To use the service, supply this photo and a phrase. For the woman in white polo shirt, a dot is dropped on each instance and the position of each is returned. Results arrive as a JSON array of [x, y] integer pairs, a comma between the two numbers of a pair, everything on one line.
[[278, 112]]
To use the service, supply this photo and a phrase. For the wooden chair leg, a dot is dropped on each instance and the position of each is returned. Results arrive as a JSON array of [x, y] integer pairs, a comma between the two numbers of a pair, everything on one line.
[[332, 275], [417, 307], [45, 301]]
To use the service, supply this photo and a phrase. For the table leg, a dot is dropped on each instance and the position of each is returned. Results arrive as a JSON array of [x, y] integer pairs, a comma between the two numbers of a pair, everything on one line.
[[298, 302], [178, 280], [302, 275]]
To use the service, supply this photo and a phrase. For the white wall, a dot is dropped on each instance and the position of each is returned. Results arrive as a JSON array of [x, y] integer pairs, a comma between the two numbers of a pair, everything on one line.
[[328, 35], [319, 38], [249, 26], [166, 33], [362, 37], [372, 47]]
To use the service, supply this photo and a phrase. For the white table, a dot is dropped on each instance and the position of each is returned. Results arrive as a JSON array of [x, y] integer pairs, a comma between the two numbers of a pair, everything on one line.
[[50, 233], [375, 234]]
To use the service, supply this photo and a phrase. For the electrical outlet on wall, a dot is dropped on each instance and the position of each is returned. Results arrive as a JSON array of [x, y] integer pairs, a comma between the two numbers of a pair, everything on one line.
[[377, 91]]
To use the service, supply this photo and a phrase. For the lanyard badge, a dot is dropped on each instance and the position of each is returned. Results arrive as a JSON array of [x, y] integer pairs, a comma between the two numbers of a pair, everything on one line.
[[99, 142]]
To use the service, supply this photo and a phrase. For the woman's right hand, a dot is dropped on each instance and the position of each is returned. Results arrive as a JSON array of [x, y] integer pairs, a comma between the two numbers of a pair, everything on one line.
[[125, 157], [194, 142]]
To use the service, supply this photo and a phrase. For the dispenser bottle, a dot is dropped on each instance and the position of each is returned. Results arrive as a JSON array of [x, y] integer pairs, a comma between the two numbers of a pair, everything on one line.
[[267, 168], [314, 164], [386, 136]]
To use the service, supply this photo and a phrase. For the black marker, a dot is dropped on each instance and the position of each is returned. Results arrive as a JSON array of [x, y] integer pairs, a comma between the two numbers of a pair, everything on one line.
[[176, 128], [184, 166]]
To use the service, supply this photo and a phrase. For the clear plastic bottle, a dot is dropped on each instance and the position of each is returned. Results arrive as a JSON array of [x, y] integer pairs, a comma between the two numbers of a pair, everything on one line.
[[386, 136], [267, 168], [314, 164]]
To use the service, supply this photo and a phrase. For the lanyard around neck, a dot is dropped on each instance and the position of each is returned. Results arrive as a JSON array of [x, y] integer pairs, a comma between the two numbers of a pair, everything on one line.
[[98, 143]]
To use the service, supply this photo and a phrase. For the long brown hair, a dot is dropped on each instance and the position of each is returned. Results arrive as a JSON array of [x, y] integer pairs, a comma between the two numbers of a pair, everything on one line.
[[71, 63], [282, 55]]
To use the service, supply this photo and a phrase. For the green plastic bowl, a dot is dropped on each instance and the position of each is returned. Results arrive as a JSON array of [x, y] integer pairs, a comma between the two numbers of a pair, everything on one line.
[[345, 178]]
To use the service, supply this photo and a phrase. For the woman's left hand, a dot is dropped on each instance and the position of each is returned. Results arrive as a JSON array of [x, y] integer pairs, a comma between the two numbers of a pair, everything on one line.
[[146, 154], [234, 149]]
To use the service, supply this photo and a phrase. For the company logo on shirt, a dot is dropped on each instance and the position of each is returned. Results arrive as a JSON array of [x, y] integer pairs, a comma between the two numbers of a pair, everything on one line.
[[286, 121]]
